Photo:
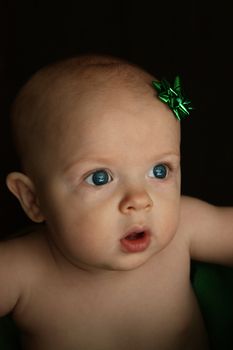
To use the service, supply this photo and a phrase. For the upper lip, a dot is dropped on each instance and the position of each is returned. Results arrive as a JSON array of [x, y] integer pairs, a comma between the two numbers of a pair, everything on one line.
[[136, 229]]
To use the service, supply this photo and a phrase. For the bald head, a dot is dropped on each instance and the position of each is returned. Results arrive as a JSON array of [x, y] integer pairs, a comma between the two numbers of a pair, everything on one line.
[[41, 107]]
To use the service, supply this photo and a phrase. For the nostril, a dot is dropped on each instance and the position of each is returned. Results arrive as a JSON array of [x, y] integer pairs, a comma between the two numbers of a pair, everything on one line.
[[130, 207]]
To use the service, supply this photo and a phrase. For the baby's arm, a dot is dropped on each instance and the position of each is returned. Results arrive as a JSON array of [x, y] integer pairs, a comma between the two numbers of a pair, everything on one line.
[[209, 231], [9, 279]]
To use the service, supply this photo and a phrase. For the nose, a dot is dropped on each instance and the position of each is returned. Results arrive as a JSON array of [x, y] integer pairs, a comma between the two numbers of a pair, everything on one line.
[[136, 201]]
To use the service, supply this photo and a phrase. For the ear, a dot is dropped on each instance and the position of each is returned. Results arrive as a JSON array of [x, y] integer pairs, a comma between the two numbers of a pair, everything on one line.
[[23, 188]]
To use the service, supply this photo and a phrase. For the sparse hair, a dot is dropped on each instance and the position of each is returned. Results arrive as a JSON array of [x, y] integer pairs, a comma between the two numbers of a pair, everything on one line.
[[52, 90]]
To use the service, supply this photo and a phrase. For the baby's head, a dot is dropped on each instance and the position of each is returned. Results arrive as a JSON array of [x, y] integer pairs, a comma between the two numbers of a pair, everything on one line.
[[42, 109], [90, 132]]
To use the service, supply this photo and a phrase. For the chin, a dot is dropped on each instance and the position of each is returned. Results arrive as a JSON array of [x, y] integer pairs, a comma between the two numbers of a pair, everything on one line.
[[128, 263]]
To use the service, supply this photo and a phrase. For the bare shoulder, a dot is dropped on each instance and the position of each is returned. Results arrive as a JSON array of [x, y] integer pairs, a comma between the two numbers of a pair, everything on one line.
[[192, 203], [21, 249], [192, 206], [196, 217], [20, 259], [199, 215], [208, 229]]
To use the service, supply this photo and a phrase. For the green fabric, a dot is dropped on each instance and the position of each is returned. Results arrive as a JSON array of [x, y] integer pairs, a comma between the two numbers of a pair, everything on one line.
[[9, 336], [213, 286]]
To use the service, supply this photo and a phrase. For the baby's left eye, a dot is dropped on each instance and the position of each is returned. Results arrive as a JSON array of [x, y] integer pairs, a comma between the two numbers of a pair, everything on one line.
[[159, 171]]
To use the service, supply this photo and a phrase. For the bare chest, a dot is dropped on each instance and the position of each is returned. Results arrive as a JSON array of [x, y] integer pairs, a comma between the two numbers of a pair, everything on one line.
[[149, 309]]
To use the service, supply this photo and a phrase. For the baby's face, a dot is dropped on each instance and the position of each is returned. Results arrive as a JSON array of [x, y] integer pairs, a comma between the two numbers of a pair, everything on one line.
[[112, 190]]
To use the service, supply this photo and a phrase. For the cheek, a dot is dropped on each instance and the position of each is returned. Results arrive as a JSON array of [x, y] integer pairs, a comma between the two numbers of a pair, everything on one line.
[[77, 221], [168, 218]]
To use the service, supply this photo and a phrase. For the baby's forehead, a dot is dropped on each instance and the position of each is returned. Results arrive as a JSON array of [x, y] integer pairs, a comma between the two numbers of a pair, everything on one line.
[[100, 90], [96, 82], [87, 101], [116, 115]]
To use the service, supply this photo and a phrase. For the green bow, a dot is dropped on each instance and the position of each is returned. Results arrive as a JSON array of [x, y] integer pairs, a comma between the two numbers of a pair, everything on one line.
[[173, 97]]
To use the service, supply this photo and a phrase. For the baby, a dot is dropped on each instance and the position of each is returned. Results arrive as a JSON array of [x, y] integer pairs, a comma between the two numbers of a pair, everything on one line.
[[107, 266]]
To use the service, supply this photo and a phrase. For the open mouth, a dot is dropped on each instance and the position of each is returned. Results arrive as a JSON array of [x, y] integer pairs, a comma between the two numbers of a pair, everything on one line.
[[135, 241], [135, 235]]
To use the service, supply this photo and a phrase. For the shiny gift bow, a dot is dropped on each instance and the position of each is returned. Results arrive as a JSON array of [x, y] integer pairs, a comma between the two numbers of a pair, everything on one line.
[[173, 97]]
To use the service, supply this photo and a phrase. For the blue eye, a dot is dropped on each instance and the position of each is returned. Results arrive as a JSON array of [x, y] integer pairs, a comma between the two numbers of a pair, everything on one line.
[[160, 171], [99, 178]]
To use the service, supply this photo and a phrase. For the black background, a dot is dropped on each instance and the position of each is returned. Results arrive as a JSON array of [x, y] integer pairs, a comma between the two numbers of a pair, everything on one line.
[[191, 38]]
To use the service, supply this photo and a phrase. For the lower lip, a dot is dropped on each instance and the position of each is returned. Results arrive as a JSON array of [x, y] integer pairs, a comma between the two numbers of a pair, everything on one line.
[[136, 245]]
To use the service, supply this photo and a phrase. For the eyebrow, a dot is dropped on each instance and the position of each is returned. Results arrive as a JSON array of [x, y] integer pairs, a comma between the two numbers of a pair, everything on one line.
[[104, 160], [84, 160]]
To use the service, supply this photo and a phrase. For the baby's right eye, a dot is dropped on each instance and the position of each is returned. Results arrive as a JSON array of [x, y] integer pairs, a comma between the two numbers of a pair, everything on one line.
[[99, 178]]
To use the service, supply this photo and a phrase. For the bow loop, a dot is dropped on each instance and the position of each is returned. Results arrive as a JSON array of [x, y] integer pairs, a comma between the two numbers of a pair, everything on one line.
[[173, 97]]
